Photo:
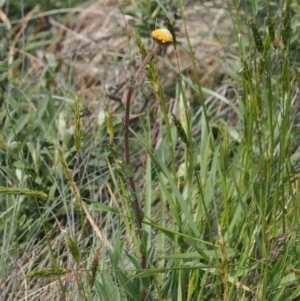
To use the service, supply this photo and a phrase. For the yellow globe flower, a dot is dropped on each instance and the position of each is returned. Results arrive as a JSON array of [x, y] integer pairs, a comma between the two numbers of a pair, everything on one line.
[[162, 35]]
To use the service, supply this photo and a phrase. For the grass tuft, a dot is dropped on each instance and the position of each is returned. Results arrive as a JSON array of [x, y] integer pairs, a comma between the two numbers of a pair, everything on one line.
[[134, 170]]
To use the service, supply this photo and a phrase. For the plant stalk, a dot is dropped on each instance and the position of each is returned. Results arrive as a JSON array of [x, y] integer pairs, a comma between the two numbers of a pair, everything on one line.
[[136, 205]]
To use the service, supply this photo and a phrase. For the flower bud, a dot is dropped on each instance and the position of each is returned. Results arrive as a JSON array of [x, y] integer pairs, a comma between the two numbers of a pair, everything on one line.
[[162, 35]]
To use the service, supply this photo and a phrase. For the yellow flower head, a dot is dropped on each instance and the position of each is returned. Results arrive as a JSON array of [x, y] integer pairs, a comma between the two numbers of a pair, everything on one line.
[[162, 35]]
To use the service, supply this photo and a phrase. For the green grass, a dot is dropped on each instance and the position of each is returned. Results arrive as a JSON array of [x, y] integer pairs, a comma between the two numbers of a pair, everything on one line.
[[215, 162]]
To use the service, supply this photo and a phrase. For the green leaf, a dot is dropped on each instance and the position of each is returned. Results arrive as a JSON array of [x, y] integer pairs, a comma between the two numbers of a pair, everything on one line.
[[38, 45], [128, 286], [101, 207], [212, 254], [173, 185], [111, 291], [22, 164]]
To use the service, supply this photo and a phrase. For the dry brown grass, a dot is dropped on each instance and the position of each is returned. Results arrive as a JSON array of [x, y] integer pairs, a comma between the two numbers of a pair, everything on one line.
[[94, 47]]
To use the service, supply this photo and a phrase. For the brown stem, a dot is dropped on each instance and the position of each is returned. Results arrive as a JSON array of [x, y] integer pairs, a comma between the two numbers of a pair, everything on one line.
[[136, 205], [137, 209], [128, 162]]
